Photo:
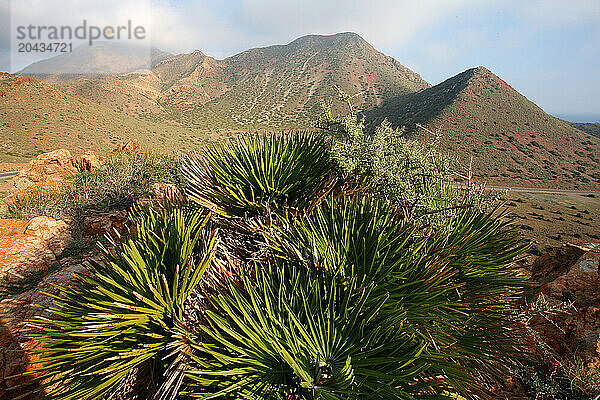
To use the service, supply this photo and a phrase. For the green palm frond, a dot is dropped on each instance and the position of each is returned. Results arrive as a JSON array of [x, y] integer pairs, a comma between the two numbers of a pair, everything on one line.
[[457, 285], [291, 334], [126, 314], [254, 174], [357, 237]]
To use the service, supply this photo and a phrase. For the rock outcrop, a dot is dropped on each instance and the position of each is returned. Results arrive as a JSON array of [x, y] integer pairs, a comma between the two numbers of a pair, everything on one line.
[[55, 167], [17, 346], [132, 146], [88, 161], [51, 167], [30, 248], [568, 278], [109, 222]]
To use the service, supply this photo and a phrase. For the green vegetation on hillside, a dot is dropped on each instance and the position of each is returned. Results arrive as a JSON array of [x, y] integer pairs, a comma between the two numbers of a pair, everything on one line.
[[36, 118], [191, 99], [276, 87]]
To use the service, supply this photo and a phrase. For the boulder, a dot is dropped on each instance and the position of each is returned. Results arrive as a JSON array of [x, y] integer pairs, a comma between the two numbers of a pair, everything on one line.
[[52, 167], [30, 248], [89, 161], [55, 167], [555, 263], [132, 146], [568, 281], [109, 222]]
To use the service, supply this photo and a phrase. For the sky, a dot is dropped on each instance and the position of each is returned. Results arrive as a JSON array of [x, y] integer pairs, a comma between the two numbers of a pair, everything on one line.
[[548, 50]]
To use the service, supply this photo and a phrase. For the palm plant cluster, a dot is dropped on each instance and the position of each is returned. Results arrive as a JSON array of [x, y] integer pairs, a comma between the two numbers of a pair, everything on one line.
[[343, 297]]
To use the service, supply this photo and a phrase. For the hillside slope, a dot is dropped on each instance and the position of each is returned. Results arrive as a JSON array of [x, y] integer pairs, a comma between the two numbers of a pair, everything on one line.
[[284, 85], [266, 88], [512, 141], [593, 128], [36, 117]]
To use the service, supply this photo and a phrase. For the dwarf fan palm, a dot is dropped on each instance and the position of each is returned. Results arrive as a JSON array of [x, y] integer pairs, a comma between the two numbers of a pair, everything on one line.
[[125, 315], [253, 174], [455, 285], [349, 308], [291, 333]]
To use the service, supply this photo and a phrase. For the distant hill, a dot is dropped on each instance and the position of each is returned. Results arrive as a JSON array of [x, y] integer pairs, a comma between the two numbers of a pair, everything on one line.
[[265, 88], [35, 117], [512, 141], [103, 58], [284, 85], [593, 128]]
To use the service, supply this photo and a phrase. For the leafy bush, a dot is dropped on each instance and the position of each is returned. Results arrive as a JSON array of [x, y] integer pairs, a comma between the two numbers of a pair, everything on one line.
[[47, 200], [126, 315], [124, 179], [409, 173], [250, 175]]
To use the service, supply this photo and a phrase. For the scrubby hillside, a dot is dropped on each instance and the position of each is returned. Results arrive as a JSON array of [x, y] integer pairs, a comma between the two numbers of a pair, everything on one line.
[[273, 87], [134, 94], [512, 141], [283, 85], [593, 128], [36, 117]]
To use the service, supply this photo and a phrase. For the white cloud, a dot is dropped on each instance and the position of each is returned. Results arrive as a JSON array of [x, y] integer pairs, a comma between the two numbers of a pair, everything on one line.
[[223, 28], [223, 31], [548, 13], [383, 23]]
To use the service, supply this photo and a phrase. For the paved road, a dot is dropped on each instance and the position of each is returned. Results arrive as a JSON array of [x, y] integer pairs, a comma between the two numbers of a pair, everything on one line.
[[8, 174], [542, 190]]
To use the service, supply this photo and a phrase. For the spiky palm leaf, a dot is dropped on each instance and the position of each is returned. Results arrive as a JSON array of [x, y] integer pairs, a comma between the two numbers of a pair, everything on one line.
[[456, 285], [126, 314], [482, 249], [291, 333], [253, 174]]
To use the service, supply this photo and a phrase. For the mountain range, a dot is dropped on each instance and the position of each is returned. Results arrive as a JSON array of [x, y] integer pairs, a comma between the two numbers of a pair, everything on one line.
[[278, 86], [91, 61], [184, 100]]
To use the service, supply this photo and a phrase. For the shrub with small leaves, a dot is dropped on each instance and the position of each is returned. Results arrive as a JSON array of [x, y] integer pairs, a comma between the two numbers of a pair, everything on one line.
[[409, 173]]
